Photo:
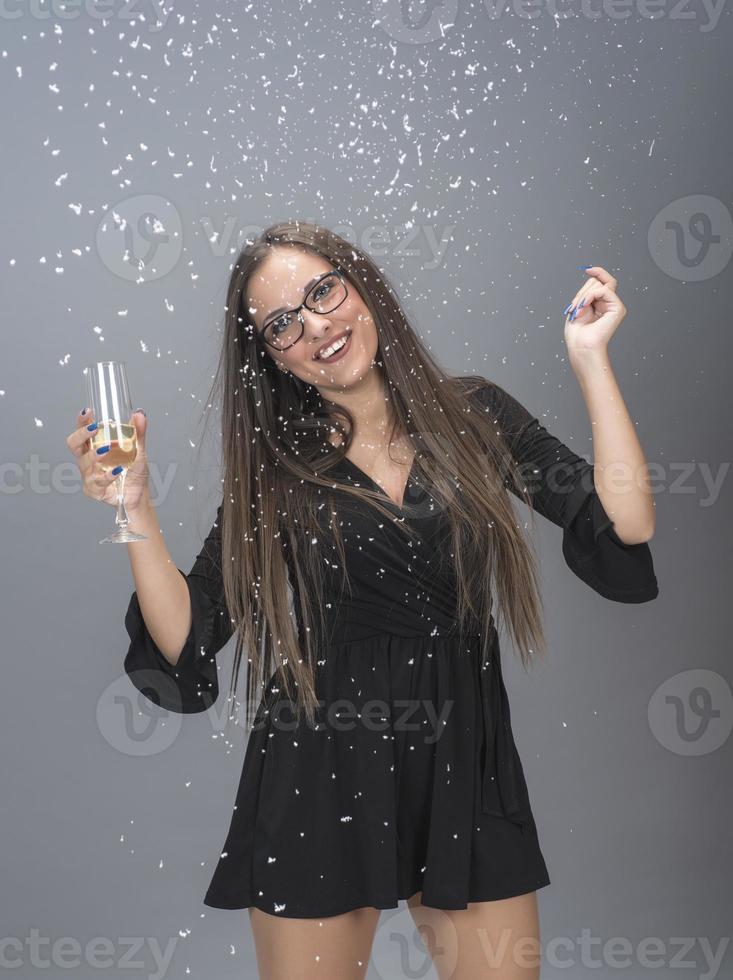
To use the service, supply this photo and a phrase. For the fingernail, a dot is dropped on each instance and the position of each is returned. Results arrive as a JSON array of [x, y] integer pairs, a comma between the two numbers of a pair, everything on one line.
[[92, 427], [577, 309], [142, 410], [116, 470], [84, 411], [567, 308], [103, 449], [585, 266]]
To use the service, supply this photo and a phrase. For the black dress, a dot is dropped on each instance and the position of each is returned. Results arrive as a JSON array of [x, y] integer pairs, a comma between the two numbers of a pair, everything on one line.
[[413, 781]]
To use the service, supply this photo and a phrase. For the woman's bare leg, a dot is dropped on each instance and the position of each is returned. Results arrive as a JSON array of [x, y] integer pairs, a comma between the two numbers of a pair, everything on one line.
[[311, 949], [499, 940]]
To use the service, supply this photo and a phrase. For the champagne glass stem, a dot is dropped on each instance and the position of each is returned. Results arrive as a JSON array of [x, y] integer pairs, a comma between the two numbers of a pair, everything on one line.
[[121, 518]]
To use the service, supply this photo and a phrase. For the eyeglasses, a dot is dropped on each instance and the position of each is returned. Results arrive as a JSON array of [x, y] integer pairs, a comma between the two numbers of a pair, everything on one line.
[[325, 295]]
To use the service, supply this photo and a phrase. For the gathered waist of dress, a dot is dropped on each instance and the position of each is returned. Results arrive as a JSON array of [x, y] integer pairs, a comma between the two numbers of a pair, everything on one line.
[[397, 622]]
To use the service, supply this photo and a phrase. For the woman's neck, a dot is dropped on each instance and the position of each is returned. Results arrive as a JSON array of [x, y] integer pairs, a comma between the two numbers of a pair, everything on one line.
[[370, 407]]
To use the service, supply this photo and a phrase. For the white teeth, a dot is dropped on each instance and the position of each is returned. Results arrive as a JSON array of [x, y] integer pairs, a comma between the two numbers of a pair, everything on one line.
[[332, 349]]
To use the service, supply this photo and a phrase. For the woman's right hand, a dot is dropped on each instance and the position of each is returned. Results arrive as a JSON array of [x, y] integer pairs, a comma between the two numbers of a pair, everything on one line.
[[100, 484]]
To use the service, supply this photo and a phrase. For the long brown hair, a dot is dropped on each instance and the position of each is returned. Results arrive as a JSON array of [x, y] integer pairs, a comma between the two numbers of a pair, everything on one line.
[[275, 438]]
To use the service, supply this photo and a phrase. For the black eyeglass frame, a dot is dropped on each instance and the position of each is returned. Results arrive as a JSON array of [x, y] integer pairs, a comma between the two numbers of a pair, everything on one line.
[[298, 309]]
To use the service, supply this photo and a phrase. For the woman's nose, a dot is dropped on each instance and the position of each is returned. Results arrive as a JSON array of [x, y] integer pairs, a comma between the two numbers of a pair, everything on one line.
[[317, 324]]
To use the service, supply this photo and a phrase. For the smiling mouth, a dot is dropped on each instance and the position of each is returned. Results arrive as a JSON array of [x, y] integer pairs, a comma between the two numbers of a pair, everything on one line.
[[333, 350]]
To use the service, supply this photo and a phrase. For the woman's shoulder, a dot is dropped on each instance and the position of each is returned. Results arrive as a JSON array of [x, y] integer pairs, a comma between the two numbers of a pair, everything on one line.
[[483, 392], [505, 413]]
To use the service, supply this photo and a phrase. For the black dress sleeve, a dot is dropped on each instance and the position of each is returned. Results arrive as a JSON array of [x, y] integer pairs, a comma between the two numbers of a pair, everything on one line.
[[562, 487], [192, 685]]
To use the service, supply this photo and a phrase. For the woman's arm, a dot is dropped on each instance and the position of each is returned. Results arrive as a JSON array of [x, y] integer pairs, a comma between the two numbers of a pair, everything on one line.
[[185, 678], [620, 469], [160, 587]]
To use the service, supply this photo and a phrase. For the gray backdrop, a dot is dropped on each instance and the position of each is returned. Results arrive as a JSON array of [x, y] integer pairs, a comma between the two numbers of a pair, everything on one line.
[[480, 154]]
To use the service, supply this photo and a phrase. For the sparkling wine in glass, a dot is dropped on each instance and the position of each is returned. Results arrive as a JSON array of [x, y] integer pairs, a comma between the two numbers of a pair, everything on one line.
[[108, 396]]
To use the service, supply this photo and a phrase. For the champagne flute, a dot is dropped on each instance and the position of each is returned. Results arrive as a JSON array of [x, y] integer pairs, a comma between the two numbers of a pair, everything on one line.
[[108, 396]]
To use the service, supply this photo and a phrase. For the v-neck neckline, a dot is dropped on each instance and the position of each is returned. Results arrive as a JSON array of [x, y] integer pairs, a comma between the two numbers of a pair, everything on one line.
[[401, 506]]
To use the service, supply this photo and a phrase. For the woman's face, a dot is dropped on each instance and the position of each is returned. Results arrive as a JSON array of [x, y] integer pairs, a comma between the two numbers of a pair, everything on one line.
[[280, 283]]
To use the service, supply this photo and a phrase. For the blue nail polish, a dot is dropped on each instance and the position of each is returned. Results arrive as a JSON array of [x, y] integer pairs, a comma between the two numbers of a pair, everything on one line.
[[567, 309], [582, 303], [575, 313], [585, 267], [103, 449], [116, 470], [92, 427]]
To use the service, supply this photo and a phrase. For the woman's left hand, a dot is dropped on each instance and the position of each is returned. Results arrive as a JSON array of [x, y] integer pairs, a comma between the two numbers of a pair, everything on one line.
[[596, 321]]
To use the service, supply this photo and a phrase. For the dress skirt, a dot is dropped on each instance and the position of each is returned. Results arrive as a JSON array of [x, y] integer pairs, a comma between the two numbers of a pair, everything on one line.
[[409, 780]]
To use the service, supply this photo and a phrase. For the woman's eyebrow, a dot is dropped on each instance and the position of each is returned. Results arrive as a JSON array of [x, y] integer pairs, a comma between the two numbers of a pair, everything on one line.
[[284, 309]]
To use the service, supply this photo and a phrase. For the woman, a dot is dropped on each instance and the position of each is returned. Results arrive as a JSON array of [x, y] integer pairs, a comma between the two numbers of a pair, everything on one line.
[[364, 534]]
